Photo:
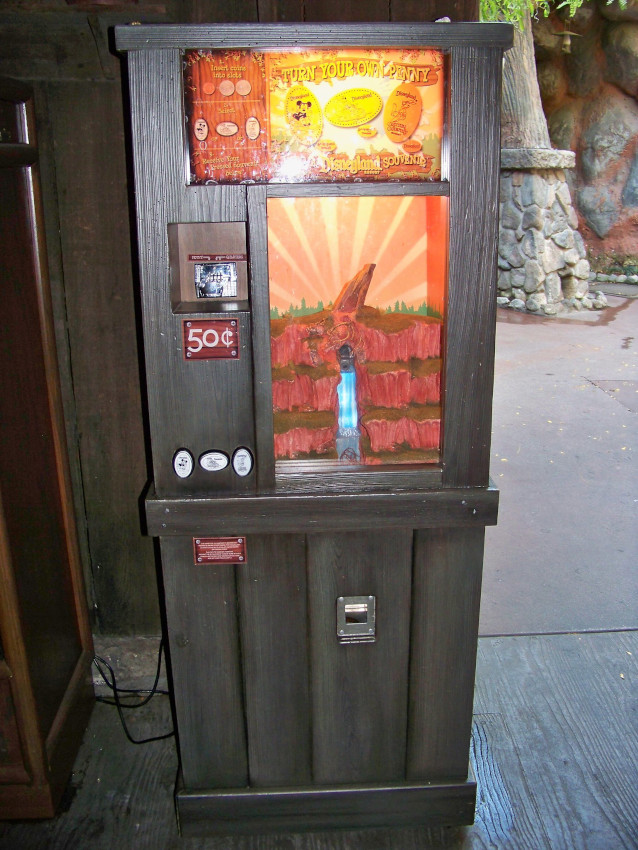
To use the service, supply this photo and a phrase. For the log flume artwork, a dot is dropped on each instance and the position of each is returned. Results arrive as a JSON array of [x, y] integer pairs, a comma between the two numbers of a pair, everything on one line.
[[355, 384]]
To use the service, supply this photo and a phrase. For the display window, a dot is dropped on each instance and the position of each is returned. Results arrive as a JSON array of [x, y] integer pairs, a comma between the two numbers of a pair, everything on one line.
[[318, 115], [357, 303]]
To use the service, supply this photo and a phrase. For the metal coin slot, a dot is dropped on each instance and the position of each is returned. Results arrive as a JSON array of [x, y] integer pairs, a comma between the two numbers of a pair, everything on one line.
[[356, 619], [356, 613]]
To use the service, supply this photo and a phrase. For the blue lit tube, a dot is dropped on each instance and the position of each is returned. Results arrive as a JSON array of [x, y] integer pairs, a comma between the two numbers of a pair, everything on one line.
[[347, 394]]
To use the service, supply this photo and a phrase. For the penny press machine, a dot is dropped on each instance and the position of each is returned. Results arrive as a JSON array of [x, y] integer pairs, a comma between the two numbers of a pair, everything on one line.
[[317, 222]]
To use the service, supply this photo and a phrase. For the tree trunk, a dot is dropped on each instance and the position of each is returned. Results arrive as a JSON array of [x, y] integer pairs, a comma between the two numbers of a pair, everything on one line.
[[523, 123]]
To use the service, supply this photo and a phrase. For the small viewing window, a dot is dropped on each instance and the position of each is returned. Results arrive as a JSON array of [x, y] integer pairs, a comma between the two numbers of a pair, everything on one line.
[[215, 280]]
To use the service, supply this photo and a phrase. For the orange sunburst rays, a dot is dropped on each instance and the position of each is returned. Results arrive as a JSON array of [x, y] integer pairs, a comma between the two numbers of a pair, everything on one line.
[[402, 248], [291, 276], [317, 244]]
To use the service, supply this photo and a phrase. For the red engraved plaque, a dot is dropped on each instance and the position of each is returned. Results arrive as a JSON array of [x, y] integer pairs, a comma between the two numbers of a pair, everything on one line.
[[211, 339], [219, 550]]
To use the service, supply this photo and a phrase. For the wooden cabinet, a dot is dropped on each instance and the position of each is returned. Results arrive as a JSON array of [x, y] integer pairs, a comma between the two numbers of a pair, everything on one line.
[[322, 606], [45, 640]]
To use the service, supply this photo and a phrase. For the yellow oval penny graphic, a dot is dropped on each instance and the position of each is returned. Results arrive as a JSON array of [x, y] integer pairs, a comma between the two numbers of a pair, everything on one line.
[[367, 132], [402, 112], [303, 115], [353, 107]]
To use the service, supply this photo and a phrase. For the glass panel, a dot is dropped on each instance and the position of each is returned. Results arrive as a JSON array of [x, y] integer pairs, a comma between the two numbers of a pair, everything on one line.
[[216, 280], [320, 115], [357, 292]]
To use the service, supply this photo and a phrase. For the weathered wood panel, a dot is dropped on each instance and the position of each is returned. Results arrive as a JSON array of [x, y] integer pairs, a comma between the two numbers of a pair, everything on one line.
[[280, 11], [446, 596], [569, 705], [486, 37], [237, 812], [200, 405], [274, 650], [345, 10], [374, 10], [100, 302], [323, 512], [471, 311], [52, 43], [51, 230], [359, 691], [260, 302], [431, 10], [223, 11], [203, 630]]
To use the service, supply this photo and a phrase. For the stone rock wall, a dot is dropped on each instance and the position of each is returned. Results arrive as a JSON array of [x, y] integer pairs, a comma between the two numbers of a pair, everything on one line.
[[543, 266], [590, 97]]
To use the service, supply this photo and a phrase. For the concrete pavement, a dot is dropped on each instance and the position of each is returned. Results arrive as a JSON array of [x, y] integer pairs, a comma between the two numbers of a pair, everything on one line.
[[564, 555]]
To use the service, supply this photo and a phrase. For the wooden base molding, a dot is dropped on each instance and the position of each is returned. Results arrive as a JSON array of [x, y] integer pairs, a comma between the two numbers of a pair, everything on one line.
[[330, 807]]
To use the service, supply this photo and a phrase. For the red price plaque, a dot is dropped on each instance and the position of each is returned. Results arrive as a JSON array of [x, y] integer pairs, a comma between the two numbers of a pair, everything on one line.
[[210, 339], [219, 550]]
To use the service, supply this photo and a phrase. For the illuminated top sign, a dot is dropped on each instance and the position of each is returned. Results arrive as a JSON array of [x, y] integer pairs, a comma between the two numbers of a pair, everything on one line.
[[321, 115]]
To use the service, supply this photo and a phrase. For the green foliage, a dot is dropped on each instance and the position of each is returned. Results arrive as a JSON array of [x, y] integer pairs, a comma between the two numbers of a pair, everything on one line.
[[302, 309], [513, 11], [423, 309]]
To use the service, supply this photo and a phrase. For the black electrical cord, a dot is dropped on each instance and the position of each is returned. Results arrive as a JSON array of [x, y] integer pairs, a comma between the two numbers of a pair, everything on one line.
[[100, 663]]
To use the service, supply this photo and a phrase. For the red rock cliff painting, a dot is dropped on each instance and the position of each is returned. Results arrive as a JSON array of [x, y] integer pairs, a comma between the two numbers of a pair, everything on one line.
[[356, 365]]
